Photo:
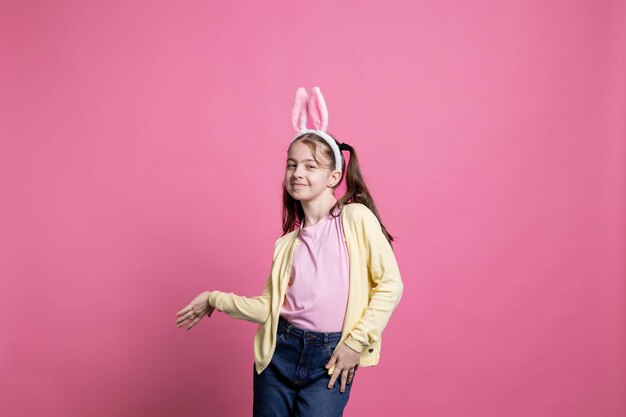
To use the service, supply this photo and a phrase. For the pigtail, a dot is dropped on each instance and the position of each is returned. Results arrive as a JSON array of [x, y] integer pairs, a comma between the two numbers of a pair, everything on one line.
[[357, 191]]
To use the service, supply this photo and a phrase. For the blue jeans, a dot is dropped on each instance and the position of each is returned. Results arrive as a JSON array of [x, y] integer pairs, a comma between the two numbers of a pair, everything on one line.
[[295, 383]]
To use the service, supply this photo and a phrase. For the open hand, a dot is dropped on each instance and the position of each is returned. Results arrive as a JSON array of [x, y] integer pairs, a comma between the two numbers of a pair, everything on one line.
[[346, 362], [197, 308]]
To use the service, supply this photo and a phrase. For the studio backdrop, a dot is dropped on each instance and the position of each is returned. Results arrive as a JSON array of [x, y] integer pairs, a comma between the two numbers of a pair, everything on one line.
[[142, 154]]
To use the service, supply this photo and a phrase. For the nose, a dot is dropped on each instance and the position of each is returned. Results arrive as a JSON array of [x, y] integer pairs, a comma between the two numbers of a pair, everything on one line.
[[297, 173]]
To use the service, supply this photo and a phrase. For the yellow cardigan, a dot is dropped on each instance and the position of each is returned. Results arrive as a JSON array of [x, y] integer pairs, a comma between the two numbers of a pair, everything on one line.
[[375, 289]]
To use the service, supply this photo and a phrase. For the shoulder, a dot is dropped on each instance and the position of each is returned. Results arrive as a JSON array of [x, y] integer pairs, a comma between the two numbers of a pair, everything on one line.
[[359, 212], [355, 209], [281, 241]]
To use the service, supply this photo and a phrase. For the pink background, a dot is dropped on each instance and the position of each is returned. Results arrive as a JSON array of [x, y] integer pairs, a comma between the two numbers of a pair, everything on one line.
[[141, 160]]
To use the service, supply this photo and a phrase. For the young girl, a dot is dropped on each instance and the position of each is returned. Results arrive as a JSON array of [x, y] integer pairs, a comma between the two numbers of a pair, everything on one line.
[[333, 285]]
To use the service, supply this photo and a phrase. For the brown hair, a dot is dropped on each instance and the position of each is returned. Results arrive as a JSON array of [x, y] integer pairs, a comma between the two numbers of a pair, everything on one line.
[[357, 191]]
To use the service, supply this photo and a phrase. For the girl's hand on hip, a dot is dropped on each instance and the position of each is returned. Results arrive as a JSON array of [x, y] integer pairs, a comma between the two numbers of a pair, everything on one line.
[[197, 308], [346, 361]]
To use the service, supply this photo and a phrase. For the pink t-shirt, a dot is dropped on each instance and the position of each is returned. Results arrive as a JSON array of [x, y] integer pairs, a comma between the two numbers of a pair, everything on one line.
[[317, 296]]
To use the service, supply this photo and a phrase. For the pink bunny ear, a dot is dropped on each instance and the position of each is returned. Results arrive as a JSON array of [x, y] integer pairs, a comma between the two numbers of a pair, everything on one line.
[[299, 110], [317, 110]]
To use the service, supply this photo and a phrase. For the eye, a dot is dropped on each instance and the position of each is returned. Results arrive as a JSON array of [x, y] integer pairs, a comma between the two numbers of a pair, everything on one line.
[[311, 166]]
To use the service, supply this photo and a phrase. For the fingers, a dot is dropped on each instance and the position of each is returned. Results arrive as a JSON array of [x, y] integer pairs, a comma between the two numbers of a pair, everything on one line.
[[346, 374], [184, 310], [329, 365], [184, 318], [345, 366], [333, 377], [193, 312], [193, 322], [190, 319], [331, 362], [351, 375], [344, 379], [183, 322]]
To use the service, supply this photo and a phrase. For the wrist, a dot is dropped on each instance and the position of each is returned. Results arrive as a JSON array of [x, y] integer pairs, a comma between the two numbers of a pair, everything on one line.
[[352, 349], [212, 298], [354, 345]]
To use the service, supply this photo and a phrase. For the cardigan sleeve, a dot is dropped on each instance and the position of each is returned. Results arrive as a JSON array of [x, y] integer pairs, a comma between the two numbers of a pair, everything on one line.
[[254, 309], [387, 284]]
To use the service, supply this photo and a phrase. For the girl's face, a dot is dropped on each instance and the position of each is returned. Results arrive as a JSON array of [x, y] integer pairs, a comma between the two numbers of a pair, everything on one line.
[[305, 180]]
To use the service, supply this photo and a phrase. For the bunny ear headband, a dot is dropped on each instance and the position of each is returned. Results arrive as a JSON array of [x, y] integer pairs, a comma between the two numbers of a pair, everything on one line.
[[315, 107]]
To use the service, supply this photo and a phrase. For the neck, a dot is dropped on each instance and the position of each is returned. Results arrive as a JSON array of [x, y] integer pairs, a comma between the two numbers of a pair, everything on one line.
[[314, 211]]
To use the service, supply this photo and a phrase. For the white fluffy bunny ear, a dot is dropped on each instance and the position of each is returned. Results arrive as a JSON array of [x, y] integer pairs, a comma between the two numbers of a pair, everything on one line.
[[317, 110], [299, 110]]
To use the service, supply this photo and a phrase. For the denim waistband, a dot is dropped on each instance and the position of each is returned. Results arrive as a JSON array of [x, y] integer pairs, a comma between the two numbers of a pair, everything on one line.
[[309, 336]]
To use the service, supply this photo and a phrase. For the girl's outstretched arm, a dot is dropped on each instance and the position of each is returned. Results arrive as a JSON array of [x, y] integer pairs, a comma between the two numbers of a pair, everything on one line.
[[254, 309], [387, 289]]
